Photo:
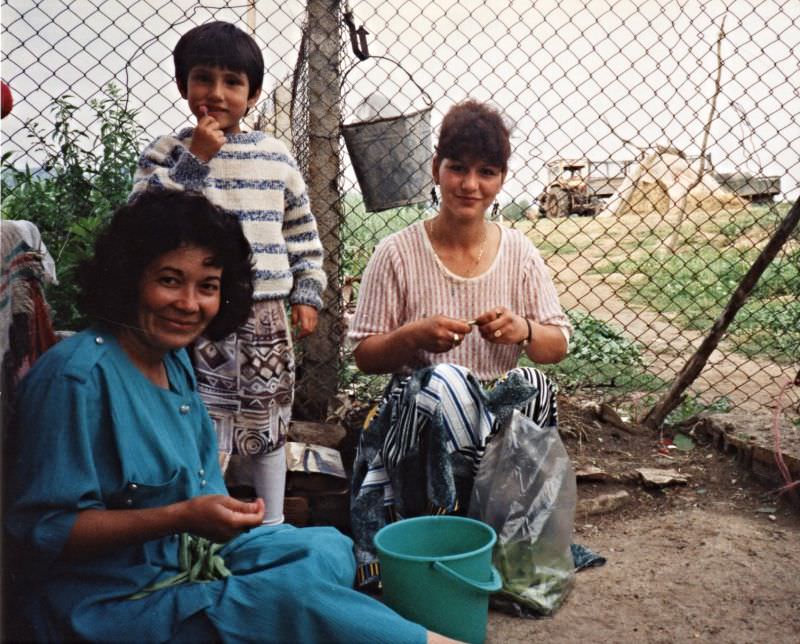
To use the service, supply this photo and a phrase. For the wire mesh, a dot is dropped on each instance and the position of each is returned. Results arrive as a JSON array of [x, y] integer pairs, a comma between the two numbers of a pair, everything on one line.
[[655, 151]]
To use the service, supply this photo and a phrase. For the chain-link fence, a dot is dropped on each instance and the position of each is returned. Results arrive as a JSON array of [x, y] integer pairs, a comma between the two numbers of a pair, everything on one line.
[[655, 151]]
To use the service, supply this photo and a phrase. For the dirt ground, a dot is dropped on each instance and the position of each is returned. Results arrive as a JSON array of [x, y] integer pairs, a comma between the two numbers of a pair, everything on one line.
[[715, 559]]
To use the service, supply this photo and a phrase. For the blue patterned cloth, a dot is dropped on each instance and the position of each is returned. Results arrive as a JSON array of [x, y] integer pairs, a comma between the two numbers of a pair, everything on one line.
[[419, 452], [585, 558]]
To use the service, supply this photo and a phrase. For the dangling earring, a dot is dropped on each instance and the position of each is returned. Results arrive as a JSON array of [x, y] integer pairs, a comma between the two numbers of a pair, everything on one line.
[[495, 209], [434, 197]]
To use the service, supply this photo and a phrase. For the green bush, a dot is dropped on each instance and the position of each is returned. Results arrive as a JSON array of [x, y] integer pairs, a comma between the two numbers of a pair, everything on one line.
[[600, 356], [84, 177]]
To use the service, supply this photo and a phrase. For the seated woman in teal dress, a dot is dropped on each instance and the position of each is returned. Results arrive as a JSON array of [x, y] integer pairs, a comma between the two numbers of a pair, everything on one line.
[[120, 520]]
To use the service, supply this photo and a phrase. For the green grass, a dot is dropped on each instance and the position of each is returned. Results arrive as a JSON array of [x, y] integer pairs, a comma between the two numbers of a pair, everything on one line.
[[696, 284], [547, 248], [754, 218]]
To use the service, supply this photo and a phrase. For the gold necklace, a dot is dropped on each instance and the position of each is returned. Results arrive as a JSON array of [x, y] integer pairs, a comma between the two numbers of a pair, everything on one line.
[[480, 250]]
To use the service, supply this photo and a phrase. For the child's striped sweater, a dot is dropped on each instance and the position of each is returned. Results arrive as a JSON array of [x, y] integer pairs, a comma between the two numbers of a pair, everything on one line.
[[255, 177]]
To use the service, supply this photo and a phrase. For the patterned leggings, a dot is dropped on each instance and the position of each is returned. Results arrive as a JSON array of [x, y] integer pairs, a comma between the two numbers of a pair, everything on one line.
[[246, 381]]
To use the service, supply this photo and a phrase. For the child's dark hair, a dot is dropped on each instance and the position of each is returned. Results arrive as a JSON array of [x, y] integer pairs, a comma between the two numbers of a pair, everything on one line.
[[474, 130], [153, 223], [219, 44]]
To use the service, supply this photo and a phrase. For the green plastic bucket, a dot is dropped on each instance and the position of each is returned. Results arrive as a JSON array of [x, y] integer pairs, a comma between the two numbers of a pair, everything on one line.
[[437, 571]]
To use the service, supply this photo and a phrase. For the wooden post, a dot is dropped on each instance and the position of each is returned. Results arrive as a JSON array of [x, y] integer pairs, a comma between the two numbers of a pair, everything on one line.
[[281, 121], [251, 16], [319, 371], [696, 363]]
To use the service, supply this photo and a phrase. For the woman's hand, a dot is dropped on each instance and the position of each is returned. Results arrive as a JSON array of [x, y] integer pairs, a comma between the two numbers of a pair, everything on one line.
[[207, 138], [548, 343], [304, 320], [388, 352], [219, 517], [501, 326], [439, 333]]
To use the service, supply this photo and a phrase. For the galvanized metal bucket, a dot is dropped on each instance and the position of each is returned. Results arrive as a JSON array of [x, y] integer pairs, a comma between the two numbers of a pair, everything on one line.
[[392, 157]]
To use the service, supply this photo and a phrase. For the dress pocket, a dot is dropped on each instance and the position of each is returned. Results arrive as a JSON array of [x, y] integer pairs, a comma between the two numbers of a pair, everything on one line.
[[141, 494]]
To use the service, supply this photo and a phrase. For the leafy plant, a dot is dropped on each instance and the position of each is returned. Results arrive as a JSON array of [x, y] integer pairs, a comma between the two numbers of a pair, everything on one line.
[[600, 356], [693, 405], [769, 328], [83, 178], [364, 387]]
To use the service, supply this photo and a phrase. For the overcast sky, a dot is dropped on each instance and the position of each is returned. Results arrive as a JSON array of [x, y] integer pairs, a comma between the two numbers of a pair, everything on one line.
[[577, 78]]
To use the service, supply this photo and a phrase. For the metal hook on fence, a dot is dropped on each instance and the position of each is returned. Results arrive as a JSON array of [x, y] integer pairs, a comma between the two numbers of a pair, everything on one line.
[[358, 37]]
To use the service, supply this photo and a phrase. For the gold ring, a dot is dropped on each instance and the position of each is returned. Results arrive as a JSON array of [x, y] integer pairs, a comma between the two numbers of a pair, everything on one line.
[[456, 338], [498, 333]]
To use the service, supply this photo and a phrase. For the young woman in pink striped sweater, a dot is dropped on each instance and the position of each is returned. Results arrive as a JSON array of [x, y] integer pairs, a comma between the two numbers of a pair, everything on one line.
[[448, 306]]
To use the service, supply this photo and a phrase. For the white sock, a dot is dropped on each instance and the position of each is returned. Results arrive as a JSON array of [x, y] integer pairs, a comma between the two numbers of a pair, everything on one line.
[[269, 481]]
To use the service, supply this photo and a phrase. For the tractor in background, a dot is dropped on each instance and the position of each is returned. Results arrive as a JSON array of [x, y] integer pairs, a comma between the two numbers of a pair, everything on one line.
[[567, 190], [581, 186]]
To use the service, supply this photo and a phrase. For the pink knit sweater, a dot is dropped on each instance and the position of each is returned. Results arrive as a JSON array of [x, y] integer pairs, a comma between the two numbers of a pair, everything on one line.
[[405, 281]]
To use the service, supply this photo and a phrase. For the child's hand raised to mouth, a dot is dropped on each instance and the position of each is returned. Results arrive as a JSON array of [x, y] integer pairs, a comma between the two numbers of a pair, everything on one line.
[[208, 137]]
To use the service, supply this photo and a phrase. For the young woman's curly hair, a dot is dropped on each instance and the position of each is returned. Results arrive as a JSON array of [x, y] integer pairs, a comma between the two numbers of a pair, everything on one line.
[[154, 223], [474, 130]]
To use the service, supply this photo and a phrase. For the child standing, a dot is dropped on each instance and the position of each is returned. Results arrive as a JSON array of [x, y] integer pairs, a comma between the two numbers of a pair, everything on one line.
[[247, 379]]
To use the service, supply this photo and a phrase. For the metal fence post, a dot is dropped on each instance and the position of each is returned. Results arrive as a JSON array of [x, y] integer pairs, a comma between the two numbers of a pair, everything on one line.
[[318, 373]]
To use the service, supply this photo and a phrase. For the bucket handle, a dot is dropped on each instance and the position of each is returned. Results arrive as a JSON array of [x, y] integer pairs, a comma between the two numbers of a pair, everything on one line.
[[426, 96], [491, 586]]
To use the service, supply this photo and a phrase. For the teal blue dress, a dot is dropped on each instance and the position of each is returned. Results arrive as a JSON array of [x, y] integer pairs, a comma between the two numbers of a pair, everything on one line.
[[93, 432]]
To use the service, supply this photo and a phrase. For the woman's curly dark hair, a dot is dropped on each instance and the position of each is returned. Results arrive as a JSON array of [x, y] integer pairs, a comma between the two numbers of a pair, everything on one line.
[[474, 130], [154, 223]]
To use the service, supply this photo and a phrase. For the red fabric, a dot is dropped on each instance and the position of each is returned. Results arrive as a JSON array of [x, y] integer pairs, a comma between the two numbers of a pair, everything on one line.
[[42, 334]]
